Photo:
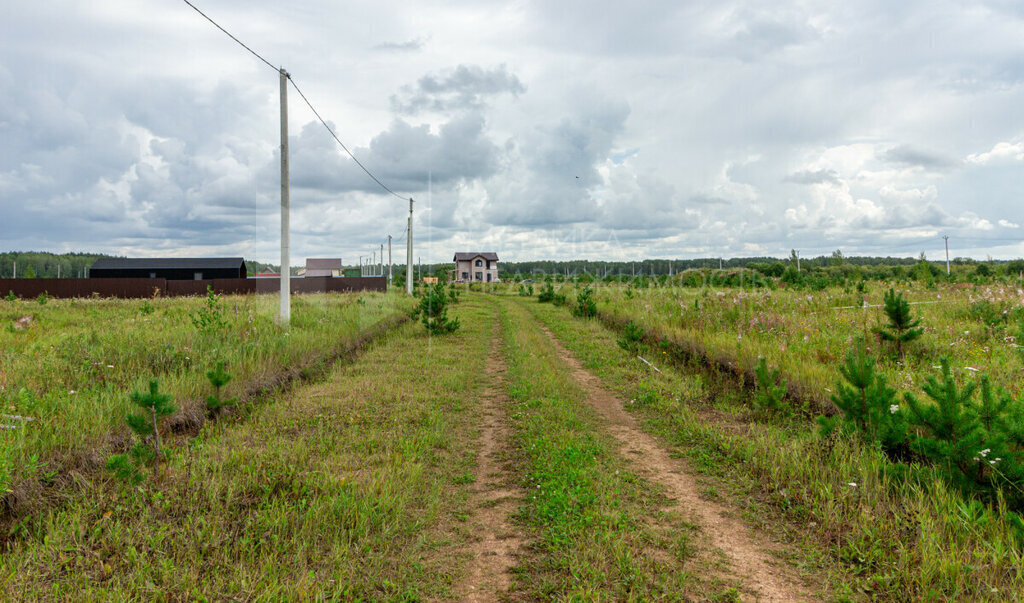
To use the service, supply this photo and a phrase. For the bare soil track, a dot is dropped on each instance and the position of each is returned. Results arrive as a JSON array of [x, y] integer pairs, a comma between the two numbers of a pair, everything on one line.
[[744, 550], [495, 494]]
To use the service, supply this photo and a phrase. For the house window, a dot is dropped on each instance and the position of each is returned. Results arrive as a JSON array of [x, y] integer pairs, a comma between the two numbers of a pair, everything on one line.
[[199, 276], [488, 277], [465, 276], [479, 263], [152, 275], [479, 276]]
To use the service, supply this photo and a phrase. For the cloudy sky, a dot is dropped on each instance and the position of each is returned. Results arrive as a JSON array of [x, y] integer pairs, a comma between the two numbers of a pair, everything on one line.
[[538, 129]]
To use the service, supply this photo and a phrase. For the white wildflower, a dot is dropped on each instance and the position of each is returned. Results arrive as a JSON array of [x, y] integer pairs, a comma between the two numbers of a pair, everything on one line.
[[852, 484], [894, 408]]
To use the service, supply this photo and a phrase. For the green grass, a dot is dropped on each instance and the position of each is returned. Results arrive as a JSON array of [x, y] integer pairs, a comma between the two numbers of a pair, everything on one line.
[[896, 534], [72, 369], [347, 489], [806, 334], [603, 533]]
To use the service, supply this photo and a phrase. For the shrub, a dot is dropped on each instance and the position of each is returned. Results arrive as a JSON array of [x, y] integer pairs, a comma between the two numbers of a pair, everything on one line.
[[547, 294], [632, 336], [433, 311], [869, 406], [43, 298], [770, 391], [11, 296], [585, 307], [210, 316]]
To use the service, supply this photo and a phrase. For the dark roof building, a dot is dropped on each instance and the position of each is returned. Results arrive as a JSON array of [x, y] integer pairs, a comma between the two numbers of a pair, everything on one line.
[[323, 267], [465, 256], [173, 269]]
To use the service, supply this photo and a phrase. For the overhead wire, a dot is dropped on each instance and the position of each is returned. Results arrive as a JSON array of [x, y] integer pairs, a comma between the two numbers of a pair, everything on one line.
[[306, 100]]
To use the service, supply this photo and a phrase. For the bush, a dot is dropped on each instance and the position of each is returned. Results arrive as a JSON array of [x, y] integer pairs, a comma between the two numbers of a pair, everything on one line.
[[218, 378], [869, 406], [585, 307], [547, 294], [632, 336], [433, 311], [769, 394]]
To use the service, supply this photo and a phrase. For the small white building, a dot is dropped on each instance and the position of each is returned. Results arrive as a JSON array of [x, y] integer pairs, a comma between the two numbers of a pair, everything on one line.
[[476, 267]]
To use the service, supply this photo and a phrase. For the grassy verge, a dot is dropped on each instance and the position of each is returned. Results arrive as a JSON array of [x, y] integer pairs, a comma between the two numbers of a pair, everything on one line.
[[351, 489], [602, 532], [873, 529], [71, 367]]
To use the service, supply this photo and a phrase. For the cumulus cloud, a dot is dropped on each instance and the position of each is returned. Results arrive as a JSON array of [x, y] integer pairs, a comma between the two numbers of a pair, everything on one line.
[[1001, 153]]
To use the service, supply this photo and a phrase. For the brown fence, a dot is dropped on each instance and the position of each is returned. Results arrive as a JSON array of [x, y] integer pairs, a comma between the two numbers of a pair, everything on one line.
[[148, 287]]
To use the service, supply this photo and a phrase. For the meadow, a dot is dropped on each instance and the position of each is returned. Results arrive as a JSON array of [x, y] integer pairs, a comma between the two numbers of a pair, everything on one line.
[[67, 367], [360, 481]]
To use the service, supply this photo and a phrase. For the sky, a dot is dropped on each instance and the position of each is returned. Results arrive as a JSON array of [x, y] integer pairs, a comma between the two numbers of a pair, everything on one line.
[[537, 129]]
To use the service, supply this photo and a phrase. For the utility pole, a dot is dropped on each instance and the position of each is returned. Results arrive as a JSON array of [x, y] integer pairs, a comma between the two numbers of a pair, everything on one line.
[[286, 281], [798, 260], [719, 263], [58, 269], [389, 259], [946, 237], [15, 269], [408, 254], [382, 259]]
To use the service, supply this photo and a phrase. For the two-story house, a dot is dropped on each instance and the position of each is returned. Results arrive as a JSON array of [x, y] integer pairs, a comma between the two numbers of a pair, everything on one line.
[[476, 267]]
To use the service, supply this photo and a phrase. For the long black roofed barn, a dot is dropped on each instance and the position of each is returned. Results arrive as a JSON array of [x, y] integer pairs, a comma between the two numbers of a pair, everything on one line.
[[172, 269]]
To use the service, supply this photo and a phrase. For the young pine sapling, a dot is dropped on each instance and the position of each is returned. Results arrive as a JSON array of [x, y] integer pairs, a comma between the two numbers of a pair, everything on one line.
[[146, 425], [218, 378], [902, 328]]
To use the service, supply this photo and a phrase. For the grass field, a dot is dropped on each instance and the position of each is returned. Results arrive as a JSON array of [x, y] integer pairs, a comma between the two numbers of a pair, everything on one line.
[[70, 368], [360, 482]]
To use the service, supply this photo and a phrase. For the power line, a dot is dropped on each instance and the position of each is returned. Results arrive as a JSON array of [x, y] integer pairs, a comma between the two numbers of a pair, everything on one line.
[[242, 44], [338, 140], [309, 104]]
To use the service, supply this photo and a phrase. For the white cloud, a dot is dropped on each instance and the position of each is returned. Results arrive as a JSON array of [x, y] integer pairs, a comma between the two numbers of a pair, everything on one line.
[[1001, 153], [1008, 224]]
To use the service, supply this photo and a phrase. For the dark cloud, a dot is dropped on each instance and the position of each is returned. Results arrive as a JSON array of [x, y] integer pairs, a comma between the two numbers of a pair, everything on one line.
[[464, 87], [912, 156], [813, 177]]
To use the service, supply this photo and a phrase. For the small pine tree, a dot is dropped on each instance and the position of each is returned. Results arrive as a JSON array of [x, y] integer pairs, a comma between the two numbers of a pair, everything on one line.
[[632, 336], [146, 425], [433, 311], [902, 328], [547, 294], [585, 306], [951, 433], [769, 395], [868, 404], [218, 378]]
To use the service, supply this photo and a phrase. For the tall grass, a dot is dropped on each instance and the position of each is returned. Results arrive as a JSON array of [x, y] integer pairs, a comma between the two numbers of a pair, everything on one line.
[[71, 370], [349, 489], [872, 527]]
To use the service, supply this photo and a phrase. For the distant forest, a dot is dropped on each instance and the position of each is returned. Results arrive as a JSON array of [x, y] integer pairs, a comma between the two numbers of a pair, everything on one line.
[[41, 264], [37, 264]]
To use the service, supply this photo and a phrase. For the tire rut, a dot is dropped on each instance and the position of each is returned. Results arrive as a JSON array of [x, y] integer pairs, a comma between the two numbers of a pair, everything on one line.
[[495, 493], [743, 549]]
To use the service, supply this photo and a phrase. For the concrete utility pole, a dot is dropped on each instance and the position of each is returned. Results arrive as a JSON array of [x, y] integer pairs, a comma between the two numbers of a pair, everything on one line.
[[798, 260], [389, 259], [946, 237], [286, 281], [382, 259], [408, 254]]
